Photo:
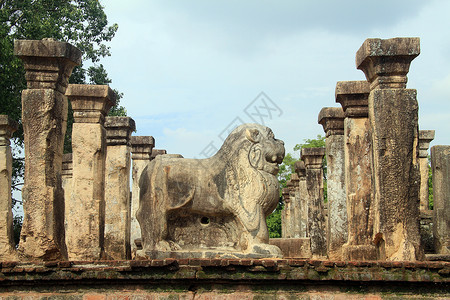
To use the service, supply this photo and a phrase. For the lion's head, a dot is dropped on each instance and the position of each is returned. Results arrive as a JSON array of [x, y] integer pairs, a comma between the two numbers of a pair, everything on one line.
[[264, 152]]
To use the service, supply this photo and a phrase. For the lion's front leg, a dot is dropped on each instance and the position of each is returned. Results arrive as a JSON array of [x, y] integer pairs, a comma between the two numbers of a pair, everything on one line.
[[256, 235]]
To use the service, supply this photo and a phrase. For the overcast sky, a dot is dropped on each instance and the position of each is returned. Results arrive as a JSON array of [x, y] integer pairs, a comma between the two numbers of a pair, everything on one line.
[[191, 69]]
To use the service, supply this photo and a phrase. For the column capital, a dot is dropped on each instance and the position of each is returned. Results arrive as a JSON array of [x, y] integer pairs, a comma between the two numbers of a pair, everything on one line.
[[386, 62], [425, 138], [295, 179], [156, 152], [48, 63], [300, 169], [353, 97], [332, 120], [90, 103], [141, 147], [7, 127], [118, 130], [313, 157], [67, 165]]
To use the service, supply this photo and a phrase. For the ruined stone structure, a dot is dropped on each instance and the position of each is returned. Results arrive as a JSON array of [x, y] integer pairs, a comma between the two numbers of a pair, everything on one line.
[[425, 138], [440, 162], [332, 120], [216, 206], [7, 128], [353, 96], [393, 116], [117, 187], [141, 150], [86, 216], [48, 65], [313, 159], [203, 221]]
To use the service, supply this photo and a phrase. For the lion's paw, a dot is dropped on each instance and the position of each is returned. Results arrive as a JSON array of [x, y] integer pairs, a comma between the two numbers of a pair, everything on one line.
[[267, 249]]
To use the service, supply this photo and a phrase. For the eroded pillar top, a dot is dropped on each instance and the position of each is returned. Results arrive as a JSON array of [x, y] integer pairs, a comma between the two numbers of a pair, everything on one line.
[[118, 130], [141, 147], [48, 63], [313, 157], [90, 103], [353, 97], [332, 120], [425, 138], [7, 127], [156, 152], [386, 62], [295, 179], [300, 169]]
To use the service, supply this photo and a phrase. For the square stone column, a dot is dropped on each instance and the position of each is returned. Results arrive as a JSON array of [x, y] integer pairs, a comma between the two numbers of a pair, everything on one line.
[[141, 150], [440, 164], [66, 176], [393, 115], [286, 219], [425, 138], [353, 96], [86, 215], [48, 65], [295, 205], [313, 158], [7, 249], [303, 199], [332, 120], [117, 187]]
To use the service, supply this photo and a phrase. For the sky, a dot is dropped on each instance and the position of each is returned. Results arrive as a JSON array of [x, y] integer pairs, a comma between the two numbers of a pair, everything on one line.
[[191, 70]]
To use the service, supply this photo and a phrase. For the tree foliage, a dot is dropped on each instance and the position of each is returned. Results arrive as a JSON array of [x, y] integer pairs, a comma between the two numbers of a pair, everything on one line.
[[83, 23]]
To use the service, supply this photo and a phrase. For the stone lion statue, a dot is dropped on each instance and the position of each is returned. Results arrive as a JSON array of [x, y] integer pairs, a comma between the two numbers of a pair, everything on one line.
[[212, 207]]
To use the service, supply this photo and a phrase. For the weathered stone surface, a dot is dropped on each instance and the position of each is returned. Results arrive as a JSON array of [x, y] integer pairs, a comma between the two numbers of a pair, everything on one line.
[[303, 200], [86, 215], [156, 152], [440, 163], [353, 96], [48, 65], [313, 158], [7, 250], [425, 138], [293, 247], [215, 205], [290, 215], [332, 120], [117, 187], [393, 114], [141, 150], [66, 176], [386, 62]]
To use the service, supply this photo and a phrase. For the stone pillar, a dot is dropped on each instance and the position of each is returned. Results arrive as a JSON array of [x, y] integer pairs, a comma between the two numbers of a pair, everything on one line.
[[353, 96], [117, 187], [440, 163], [141, 150], [393, 116], [48, 65], [332, 120], [313, 158], [295, 206], [286, 220], [7, 249], [66, 176], [86, 215], [425, 138], [302, 218]]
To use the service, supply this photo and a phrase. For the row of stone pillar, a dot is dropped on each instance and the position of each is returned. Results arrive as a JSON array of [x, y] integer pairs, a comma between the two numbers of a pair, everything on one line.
[[77, 206], [377, 160]]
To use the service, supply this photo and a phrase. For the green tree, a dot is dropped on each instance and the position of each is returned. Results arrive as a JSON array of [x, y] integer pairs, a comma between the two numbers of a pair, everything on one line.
[[82, 23]]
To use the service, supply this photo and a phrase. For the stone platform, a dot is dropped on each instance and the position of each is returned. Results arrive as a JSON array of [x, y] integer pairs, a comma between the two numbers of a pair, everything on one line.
[[224, 279]]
